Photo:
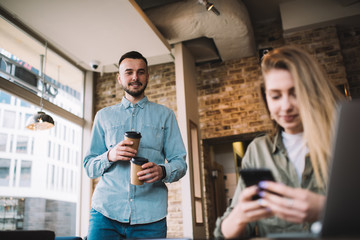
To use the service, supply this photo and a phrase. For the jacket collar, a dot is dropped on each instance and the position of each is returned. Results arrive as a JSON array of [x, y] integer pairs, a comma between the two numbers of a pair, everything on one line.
[[277, 143]]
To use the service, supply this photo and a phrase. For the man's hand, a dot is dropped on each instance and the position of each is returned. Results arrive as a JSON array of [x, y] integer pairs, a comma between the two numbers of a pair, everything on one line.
[[122, 151], [151, 173]]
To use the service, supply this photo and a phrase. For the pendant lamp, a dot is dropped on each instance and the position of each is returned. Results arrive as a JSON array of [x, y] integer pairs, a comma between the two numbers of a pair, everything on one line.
[[40, 120]]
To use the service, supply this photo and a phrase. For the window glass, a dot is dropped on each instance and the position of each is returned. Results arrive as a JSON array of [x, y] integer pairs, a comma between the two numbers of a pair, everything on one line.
[[28, 153], [4, 97], [24, 104], [22, 144], [11, 141], [4, 172], [37, 160], [9, 119], [62, 177], [19, 123], [3, 140], [25, 173], [20, 61], [13, 173], [27, 116]]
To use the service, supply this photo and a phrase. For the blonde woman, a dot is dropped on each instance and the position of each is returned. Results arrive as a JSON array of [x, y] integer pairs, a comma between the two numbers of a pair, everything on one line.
[[302, 103]]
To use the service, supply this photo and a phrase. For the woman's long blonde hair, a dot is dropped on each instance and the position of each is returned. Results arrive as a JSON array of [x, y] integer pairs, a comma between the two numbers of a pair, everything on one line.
[[317, 98]]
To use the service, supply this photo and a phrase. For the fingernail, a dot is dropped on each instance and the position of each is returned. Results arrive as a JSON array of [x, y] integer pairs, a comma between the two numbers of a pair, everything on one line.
[[260, 202], [262, 184], [268, 209], [261, 194]]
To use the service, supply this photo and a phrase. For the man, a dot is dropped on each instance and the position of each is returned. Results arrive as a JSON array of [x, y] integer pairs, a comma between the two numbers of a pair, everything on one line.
[[119, 209]]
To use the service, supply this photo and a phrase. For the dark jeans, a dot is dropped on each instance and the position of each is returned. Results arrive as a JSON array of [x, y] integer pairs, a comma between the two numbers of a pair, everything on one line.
[[103, 228]]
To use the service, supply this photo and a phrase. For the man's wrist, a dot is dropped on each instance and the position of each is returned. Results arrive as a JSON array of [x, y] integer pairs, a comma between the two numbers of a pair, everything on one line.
[[163, 172]]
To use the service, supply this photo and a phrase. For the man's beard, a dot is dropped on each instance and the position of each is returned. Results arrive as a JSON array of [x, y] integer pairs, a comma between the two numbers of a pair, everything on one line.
[[135, 93]]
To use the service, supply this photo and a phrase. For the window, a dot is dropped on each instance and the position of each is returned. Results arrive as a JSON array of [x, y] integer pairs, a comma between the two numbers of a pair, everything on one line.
[[8, 119], [22, 144], [29, 152], [5, 98], [4, 172], [3, 140], [20, 62], [39, 169], [25, 173], [13, 173]]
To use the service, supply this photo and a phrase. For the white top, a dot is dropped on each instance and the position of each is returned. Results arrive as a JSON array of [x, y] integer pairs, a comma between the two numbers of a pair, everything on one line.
[[296, 150]]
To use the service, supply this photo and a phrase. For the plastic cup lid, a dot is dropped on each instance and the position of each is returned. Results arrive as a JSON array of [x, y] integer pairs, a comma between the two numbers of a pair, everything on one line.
[[139, 160], [133, 134]]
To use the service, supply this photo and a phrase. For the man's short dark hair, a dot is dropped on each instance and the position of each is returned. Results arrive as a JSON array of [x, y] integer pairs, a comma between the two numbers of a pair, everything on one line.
[[133, 55]]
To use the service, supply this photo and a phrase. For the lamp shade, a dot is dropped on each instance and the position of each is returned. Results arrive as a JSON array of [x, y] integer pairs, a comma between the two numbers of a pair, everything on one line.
[[40, 121]]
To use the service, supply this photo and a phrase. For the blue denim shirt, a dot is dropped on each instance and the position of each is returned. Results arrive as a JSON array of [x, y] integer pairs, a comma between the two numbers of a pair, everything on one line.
[[114, 196]]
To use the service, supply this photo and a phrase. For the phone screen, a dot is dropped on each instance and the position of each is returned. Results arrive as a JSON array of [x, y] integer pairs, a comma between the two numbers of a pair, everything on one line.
[[252, 176]]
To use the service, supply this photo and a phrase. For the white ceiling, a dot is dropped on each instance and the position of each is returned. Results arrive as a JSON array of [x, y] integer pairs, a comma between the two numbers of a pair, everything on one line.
[[88, 30]]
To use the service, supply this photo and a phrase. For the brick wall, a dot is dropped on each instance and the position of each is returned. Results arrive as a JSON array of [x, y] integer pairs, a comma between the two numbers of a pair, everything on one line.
[[107, 91], [229, 97], [324, 45]]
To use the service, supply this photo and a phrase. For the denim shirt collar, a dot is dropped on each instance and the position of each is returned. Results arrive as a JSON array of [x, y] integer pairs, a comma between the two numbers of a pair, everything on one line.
[[126, 103]]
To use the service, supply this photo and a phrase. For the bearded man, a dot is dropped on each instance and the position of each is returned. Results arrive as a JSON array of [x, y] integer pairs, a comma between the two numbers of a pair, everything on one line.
[[119, 209]]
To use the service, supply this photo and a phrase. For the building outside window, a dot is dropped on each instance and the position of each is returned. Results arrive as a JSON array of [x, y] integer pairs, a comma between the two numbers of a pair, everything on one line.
[[39, 170]]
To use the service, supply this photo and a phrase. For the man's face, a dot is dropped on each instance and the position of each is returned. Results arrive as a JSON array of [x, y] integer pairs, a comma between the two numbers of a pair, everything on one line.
[[133, 77]]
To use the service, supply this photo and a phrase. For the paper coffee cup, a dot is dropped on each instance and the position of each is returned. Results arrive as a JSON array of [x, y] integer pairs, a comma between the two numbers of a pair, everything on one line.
[[133, 136], [135, 167]]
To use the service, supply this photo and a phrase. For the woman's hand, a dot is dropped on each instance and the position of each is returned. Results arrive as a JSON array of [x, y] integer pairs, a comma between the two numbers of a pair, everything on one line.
[[292, 204], [245, 211]]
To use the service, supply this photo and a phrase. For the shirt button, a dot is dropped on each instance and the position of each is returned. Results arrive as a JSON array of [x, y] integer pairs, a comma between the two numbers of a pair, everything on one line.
[[133, 114], [131, 200]]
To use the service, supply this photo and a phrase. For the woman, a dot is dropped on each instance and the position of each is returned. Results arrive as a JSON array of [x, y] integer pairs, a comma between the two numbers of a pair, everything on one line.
[[302, 104]]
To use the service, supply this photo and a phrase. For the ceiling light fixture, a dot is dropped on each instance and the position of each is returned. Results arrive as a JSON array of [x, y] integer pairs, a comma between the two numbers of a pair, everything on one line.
[[40, 120], [210, 7]]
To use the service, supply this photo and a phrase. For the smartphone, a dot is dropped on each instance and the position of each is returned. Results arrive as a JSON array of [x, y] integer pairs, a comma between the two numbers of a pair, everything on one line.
[[252, 176]]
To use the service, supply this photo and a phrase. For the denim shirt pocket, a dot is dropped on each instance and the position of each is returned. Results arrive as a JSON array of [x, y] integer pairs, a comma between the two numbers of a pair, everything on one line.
[[152, 137], [114, 135]]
